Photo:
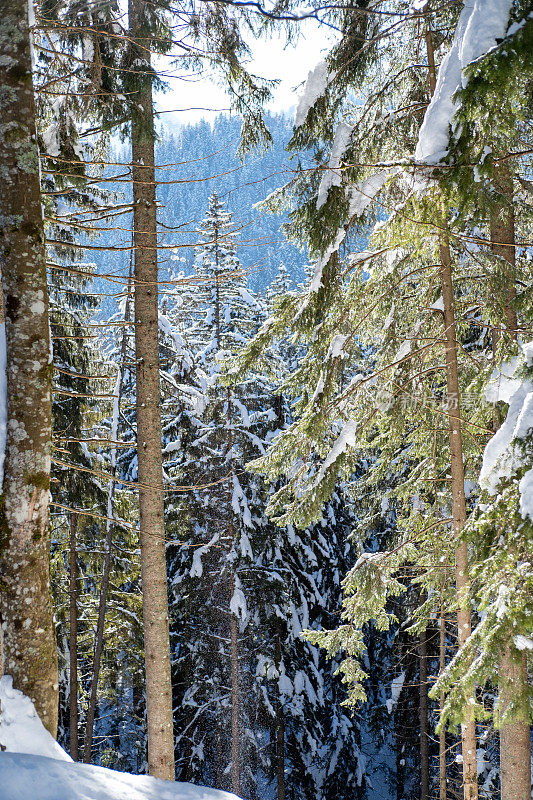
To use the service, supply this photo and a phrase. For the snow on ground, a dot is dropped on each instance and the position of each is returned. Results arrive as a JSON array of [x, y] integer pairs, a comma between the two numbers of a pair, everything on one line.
[[33, 765], [21, 730], [24, 776]]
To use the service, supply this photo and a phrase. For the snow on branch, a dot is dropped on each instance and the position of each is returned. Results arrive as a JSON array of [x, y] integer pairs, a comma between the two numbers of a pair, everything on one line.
[[315, 86], [481, 24]]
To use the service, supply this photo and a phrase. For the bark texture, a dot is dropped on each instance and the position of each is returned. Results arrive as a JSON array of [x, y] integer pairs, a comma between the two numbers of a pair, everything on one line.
[[235, 708], [442, 734], [515, 743], [502, 234], [424, 754], [29, 646], [106, 570], [462, 579], [150, 468], [280, 730], [515, 747], [73, 639]]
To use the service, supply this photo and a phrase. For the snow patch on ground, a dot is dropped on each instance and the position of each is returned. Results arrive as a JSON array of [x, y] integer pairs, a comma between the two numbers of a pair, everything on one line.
[[21, 730], [33, 765], [24, 776]]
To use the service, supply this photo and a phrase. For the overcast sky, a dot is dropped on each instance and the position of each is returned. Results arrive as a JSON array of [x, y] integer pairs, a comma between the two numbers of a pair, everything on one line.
[[271, 59]]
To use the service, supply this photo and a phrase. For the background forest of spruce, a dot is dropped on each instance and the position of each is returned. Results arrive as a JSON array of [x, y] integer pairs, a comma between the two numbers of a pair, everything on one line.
[[312, 515]]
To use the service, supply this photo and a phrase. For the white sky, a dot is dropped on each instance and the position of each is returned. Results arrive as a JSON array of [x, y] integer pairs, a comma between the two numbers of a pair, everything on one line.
[[271, 59]]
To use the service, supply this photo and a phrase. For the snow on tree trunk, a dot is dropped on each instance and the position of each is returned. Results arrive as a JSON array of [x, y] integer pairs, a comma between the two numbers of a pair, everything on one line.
[[29, 645], [148, 394]]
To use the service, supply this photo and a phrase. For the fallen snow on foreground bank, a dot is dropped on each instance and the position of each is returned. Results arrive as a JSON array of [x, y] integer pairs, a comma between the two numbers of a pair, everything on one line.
[[33, 765]]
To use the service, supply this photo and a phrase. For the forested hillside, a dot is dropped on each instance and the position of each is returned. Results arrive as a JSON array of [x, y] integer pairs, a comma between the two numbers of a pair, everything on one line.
[[266, 403], [194, 161]]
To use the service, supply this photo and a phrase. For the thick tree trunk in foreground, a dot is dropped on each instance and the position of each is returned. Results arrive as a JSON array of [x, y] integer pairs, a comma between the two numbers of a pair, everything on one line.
[[424, 754], [515, 743], [515, 748], [30, 654], [73, 638], [153, 561]]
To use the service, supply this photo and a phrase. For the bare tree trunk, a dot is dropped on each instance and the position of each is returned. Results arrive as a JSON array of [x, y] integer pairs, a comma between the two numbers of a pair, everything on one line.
[[515, 743], [280, 731], [148, 400], [150, 468], [29, 645], [73, 638], [442, 734], [235, 708], [424, 754], [462, 579], [99, 642], [106, 569], [502, 234], [234, 627]]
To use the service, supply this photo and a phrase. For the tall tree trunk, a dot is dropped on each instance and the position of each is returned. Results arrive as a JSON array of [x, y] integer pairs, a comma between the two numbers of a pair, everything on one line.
[[73, 637], [235, 707], [29, 645], [280, 730], [515, 743], [424, 754], [515, 747], [462, 579], [148, 398], [502, 234], [234, 623], [442, 734], [106, 569]]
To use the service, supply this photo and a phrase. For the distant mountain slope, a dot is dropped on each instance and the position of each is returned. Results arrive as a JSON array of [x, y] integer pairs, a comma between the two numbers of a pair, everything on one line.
[[194, 161], [240, 186]]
